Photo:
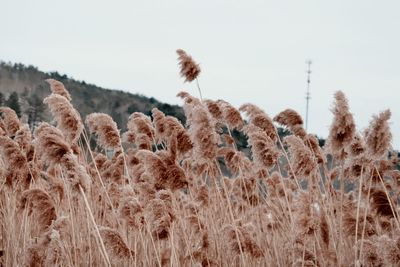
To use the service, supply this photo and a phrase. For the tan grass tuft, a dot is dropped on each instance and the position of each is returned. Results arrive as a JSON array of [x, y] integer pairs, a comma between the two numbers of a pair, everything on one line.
[[115, 244], [378, 136], [303, 161], [260, 119], [289, 118], [16, 167], [58, 88], [264, 151], [9, 120], [189, 69], [106, 130], [39, 203], [343, 128], [68, 119]]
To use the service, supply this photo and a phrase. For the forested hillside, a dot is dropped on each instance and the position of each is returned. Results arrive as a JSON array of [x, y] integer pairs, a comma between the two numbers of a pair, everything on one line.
[[24, 87]]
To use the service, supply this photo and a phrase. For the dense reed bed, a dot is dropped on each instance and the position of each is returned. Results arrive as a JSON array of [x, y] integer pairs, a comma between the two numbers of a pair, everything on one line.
[[156, 195]]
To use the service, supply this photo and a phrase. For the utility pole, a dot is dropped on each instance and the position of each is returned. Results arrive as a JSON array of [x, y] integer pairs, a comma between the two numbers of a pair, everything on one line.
[[308, 96]]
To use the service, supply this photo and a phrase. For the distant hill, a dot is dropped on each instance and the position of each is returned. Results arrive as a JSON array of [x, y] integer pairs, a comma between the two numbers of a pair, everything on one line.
[[29, 84]]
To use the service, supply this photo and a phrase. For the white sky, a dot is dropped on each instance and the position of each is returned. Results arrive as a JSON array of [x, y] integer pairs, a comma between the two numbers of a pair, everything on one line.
[[249, 51]]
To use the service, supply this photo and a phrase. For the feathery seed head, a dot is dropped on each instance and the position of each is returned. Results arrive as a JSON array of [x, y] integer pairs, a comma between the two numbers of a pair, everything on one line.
[[343, 127], [106, 130], [57, 87], [189, 68], [378, 136], [68, 119], [9, 121]]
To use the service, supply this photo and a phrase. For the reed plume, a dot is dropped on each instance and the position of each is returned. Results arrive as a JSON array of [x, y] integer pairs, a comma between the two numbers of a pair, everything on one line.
[[372, 256], [68, 119], [116, 244], [47, 250], [54, 149], [10, 121], [106, 130], [201, 130], [380, 203], [343, 128], [247, 242], [324, 229], [225, 113], [203, 195], [164, 172], [303, 161], [313, 144], [113, 170], [50, 143], [140, 131], [366, 224], [236, 161], [16, 167], [265, 153], [24, 138], [189, 102], [214, 108], [58, 88], [378, 136], [39, 203], [165, 129], [135, 168], [391, 248], [76, 173], [132, 212], [354, 166], [292, 120], [259, 118], [190, 70], [357, 146], [159, 218]]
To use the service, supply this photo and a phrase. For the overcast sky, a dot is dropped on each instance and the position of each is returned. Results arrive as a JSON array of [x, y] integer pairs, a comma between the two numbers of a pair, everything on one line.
[[249, 51]]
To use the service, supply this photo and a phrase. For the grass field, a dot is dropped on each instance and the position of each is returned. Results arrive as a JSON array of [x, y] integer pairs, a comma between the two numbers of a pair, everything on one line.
[[79, 193]]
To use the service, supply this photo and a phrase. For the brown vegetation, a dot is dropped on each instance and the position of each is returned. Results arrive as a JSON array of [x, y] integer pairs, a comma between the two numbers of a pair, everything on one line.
[[157, 196]]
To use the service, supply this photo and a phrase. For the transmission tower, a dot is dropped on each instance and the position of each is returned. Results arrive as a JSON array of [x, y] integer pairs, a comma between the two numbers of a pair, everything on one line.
[[308, 96]]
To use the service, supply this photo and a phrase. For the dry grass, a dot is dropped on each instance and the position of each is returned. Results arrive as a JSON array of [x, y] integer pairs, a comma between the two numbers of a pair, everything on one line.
[[157, 196]]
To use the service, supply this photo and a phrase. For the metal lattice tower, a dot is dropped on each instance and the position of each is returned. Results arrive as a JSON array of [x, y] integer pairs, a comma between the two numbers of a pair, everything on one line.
[[308, 96]]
